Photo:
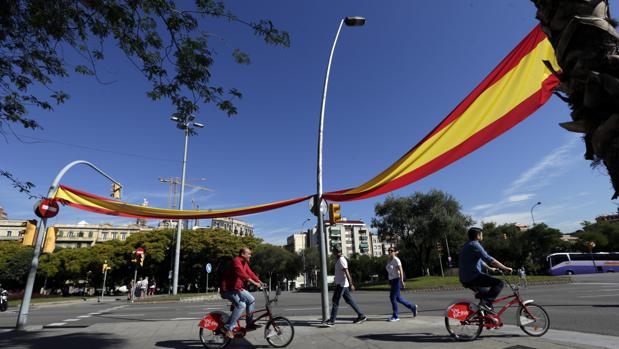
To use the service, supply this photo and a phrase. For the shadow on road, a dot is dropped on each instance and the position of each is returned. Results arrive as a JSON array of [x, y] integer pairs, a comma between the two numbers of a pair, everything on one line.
[[41, 340], [407, 337], [195, 344], [582, 305]]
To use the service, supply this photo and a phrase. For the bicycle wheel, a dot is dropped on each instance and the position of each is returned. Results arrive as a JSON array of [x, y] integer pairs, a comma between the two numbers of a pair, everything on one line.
[[463, 323], [213, 339], [536, 325], [279, 332]]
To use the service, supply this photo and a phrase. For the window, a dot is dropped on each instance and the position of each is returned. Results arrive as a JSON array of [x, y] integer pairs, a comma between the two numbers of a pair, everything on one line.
[[580, 257], [80, 234], [71, 234], [114, 235], [59, 233], [89, 234], [555, 260], [103, 236], [123, 236], [9, 233]]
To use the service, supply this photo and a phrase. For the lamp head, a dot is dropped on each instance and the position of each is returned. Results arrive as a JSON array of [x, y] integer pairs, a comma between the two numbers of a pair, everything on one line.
[[354, 21]]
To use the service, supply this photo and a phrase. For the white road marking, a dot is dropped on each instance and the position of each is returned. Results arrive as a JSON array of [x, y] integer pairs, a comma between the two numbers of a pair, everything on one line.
[[122, 315], [57, 324], [94, 313], [71, 320], [185, 318], [601, 295], [594, 283], [84, 316], [298, 309]]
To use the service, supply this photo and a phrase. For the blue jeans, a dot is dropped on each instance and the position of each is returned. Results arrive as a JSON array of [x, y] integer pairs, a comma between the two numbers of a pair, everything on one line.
[[487, 287], [394, 296], [241, 300], [338, 293]]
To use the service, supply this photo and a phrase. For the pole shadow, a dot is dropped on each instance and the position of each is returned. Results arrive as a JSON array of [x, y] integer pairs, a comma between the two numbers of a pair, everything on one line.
[[38, 340]]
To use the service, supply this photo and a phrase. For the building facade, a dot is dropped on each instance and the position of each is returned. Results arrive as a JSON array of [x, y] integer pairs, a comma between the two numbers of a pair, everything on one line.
[[12, 229], [349, 236], [83, 234], [235, 226], [297, 242]]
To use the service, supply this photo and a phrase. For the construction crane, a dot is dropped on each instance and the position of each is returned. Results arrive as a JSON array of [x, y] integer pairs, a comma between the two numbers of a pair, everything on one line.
[[174, 186]]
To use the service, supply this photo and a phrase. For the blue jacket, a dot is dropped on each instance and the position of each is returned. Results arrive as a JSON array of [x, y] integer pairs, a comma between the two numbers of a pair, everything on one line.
[[471, 255]]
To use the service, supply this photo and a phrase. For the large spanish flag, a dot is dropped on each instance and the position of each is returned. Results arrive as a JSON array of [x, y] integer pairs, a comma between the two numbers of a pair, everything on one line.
[[515, 89]]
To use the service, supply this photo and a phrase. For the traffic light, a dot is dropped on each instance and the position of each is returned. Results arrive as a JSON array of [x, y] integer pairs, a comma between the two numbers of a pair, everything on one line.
[[49, 245], [116, 190], [334, 213], [30, 236]]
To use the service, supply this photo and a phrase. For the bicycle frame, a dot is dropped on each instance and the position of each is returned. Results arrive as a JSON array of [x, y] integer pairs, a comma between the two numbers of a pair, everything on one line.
[[516, 300]]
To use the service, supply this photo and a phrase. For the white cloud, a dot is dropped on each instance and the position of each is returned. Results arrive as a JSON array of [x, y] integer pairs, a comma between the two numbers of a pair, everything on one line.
[[552, 165], [508, 217], [520, 197]]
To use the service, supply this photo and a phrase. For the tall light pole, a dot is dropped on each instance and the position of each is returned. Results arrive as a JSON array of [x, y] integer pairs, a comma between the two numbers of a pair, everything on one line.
[[187, 126], [351, 22], [537, 204]]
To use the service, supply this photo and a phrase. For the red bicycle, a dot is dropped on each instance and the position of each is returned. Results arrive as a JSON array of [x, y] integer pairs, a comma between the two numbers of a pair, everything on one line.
[[465, 320], [278, 331]]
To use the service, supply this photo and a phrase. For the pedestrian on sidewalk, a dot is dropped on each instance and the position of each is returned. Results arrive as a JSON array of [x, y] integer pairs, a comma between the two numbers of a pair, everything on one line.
[[343, 287], [522, 274], [396, 281]]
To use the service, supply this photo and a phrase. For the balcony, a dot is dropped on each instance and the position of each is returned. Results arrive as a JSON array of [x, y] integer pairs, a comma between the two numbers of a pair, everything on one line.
[[336, 232], [363, 245]]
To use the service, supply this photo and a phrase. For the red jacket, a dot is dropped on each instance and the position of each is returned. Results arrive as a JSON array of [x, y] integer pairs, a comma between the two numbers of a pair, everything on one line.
[[235, 277]]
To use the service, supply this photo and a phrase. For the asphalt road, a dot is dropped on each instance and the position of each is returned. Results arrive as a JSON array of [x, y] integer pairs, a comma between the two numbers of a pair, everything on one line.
[[587, 305]]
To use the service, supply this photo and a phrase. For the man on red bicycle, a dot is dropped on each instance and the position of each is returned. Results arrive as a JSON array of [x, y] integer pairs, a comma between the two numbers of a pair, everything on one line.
[[472, 258], [234, 277]]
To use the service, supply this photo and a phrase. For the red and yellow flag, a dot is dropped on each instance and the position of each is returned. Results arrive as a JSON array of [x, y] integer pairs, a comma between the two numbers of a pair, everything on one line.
[[515, 89]]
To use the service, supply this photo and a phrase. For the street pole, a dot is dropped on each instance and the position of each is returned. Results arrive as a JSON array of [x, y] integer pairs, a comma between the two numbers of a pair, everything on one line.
[[103, 287], [206, 283], [186, 125], [24, 309], [324, 290], [533, 219], [177, 254]]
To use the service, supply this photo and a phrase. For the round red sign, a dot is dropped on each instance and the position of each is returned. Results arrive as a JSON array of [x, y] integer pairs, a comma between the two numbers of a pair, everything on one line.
[[139, 250], [46, 208]]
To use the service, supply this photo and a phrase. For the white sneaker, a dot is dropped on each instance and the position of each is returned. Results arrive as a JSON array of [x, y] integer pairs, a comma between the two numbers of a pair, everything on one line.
[[393, 319]]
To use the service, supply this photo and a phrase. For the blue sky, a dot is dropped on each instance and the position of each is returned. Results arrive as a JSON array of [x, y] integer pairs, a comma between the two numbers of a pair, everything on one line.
[[392, 81]]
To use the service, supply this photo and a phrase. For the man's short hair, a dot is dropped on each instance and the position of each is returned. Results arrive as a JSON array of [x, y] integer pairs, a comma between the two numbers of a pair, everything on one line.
[[473, 232], [242, 250], [336, 250]]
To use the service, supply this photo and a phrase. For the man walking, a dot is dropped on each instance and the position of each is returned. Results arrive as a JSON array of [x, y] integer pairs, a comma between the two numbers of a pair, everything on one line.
[[343, 287]]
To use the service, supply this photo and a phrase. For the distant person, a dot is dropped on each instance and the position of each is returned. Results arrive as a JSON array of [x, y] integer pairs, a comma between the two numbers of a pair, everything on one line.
[[152, 288], [143, 288], [343, 287], [234, 277], [396, 281], [522, 274], [472, 258]]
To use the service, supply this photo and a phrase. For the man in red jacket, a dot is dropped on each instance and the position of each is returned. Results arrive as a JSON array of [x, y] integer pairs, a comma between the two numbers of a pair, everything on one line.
[[231, 286]]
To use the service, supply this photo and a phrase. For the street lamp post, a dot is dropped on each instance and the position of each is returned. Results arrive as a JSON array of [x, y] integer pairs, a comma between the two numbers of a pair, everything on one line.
[[304, 251], [185, 125], [537, 204], [349, 21]]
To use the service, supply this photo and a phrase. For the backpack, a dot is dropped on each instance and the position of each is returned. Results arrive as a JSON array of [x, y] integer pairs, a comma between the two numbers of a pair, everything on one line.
[[223, 264]]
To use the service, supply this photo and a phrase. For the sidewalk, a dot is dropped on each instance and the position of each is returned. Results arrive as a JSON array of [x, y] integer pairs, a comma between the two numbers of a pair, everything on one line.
[[422, 332]]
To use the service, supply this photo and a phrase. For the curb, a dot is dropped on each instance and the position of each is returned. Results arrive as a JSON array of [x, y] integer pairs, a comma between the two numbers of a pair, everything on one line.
[[561, 281]]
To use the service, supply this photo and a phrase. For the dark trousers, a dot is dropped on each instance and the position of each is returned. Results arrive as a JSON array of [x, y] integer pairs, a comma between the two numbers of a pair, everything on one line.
[[338, 293], [395, 297], [487, 287]]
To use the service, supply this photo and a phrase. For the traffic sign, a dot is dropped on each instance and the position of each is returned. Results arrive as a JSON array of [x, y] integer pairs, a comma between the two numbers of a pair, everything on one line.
[[139, 250], [208, 268], [46, 208], [313, 207]]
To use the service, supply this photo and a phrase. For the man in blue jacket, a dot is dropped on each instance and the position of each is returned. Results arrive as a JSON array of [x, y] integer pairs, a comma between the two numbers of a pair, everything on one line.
[[472, 258]]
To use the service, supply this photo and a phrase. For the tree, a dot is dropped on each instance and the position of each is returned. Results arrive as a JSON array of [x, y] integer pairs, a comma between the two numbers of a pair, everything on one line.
[[170, 46], [590, 81], [604, 234], [15, 260], [418, 222], [273, 263]]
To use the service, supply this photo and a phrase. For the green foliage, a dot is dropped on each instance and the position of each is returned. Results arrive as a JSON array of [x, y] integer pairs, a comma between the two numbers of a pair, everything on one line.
[[604, 234], [273, 263], [15, 262], [168, 45], [419, 222], [527, 248]]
